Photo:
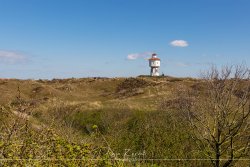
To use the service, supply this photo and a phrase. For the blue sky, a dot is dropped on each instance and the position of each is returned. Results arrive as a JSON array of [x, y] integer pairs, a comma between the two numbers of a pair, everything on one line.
[[85, 38]]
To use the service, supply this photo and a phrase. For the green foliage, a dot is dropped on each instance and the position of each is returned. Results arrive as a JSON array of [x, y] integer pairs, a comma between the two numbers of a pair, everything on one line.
[[157, 133], [87, 119]]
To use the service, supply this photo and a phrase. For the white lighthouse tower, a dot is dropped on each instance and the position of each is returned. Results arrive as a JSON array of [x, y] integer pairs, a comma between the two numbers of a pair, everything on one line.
[[154, 63]]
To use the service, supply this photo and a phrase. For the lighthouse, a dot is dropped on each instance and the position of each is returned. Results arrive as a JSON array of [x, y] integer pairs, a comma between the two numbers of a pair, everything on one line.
[[154, 64]]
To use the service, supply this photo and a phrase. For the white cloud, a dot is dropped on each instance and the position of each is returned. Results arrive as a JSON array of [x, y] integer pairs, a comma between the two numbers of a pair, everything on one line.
[[11, 57], [182, 64], [179, 43], [135, 56]]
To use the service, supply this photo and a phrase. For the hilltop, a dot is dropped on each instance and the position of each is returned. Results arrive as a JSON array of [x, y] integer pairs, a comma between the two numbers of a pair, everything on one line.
[[95, 91]]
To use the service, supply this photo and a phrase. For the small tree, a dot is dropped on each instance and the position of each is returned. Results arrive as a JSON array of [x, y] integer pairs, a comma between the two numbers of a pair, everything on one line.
[[220, 115]]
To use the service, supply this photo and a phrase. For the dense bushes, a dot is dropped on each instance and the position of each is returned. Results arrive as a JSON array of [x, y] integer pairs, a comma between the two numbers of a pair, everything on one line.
[[154, 134], [21, 144], [131, 87]]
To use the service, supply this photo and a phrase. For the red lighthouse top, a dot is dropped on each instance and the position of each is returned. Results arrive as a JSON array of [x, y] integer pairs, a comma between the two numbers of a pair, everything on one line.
[[154, 57]]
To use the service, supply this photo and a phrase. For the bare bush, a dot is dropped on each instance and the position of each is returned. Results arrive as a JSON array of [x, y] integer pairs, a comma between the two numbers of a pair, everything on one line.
[[220, 115]]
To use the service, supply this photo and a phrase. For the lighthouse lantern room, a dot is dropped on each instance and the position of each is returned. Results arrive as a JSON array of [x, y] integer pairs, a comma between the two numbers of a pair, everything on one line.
[[154, 63]]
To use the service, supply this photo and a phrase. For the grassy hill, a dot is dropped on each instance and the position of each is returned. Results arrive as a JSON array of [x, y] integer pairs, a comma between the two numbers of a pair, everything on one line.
[[102, 91], [116, 117]]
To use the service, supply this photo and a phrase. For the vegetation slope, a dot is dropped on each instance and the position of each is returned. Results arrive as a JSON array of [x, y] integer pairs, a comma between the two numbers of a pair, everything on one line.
[[97, 122]]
